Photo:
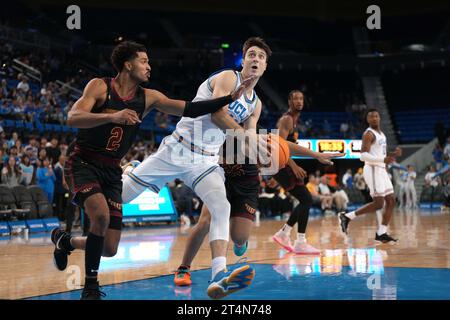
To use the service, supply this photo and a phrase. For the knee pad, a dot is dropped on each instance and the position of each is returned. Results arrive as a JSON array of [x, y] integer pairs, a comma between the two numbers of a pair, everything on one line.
[[213, 194], [130, 189]]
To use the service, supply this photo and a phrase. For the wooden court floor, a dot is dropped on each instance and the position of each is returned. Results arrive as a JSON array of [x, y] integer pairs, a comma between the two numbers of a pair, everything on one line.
[[27, 270]]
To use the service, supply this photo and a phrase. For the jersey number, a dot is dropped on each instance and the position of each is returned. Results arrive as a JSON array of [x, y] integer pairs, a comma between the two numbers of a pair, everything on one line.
[[115, 139]]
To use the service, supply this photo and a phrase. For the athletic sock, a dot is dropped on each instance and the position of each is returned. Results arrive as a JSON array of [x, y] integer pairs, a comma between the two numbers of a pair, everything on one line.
[[184, 267], [94, 249], [286, 229], [65, 243], [218, 264], [301, 238], [382, 229], [351, 215]]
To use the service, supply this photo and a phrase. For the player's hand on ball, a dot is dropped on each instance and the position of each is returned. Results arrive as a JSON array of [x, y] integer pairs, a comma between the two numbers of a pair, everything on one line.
[[125, 116], [245, 85]]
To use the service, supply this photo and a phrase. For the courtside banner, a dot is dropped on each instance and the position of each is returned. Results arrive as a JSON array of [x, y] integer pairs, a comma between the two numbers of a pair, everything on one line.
[[17, 225], [351, 148], [4, 229], [51, 223], [36, 225]]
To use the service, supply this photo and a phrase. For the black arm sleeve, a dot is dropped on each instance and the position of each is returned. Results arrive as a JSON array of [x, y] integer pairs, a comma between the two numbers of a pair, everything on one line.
[[200, 108]]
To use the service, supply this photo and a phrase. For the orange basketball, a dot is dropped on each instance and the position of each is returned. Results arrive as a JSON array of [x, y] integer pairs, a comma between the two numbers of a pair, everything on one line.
[[279, 150]]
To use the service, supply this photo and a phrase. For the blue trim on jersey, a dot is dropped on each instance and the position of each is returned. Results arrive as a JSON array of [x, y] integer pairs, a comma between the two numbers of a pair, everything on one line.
[[203, 175], [208, 83], [247, 99], [141, 182]]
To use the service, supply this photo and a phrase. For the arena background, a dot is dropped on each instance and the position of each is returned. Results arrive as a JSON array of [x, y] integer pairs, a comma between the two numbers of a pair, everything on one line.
[[323, 48]]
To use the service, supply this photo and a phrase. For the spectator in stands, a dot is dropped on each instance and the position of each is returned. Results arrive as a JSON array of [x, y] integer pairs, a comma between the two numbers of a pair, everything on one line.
[[410, 189], [326, 128], [20, 148], [431, 181], [33, 145], [27, 171], [41, 157], [447, 150], [23, 85], [325, 201], [339, 199], [2, 162], [438, 156], [161, 120], [344, 129], [184, 195], [401, 188], [53, 151], [3, 89], [12, 141], [60, 200], [11, 173], [46, 178], [14, 153], [360, 184], [347, 179], [446, 205], [43, 143]]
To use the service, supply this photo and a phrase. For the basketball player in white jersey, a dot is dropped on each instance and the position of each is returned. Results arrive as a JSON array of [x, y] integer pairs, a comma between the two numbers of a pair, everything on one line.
[[374, 155], [191, 153]]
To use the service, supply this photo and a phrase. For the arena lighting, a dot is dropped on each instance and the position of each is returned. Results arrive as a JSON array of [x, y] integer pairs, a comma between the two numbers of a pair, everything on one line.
[[417, 47], [225, 45]]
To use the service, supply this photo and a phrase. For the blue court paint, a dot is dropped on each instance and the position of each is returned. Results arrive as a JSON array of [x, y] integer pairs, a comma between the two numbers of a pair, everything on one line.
[[287, 281]]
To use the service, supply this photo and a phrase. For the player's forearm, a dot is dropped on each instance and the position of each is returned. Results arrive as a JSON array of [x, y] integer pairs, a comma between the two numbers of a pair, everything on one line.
[[291, 163], [365, 156], [199, 108], [299, 151], [86, 120], [224, 121]]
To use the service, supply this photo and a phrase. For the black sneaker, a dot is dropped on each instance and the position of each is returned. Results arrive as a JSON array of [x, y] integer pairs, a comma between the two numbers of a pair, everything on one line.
[[91, 291], [385, 238], [59, 254], [344, 221]]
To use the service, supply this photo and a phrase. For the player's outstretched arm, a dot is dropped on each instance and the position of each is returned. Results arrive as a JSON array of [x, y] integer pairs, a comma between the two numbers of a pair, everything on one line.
[[194, 109], [80, 116], [324, 158]]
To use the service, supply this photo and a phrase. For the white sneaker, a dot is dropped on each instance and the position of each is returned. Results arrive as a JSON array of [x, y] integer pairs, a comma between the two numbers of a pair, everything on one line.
[[304, 248], [283, 240]]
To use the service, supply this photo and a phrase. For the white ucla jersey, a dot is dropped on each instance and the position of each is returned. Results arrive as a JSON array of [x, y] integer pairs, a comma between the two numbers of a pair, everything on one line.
[[201, 131], [378, 147]]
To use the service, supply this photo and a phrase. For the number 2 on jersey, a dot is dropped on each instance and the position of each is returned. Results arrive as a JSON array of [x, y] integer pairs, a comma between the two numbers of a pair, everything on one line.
[[115, 139]]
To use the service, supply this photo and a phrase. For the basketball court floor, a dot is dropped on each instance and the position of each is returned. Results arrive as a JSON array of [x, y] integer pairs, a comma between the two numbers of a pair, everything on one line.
[[352, 267]]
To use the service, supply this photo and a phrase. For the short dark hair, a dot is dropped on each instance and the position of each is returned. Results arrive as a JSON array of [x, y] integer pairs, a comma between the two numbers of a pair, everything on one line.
[[291, 94], [258, 42], [369, 111], [125, 51]]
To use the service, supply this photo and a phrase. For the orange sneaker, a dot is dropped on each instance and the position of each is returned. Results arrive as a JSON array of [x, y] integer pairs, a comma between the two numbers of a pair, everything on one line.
[[182, 277]]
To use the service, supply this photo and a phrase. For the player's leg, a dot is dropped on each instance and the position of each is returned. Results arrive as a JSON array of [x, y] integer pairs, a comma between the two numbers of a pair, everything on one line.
[[381, 234], [210, 187], [414, 196], [98, 212], [301, 193], [193, 244], [285, 177], [377, 191], [240, 228]]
